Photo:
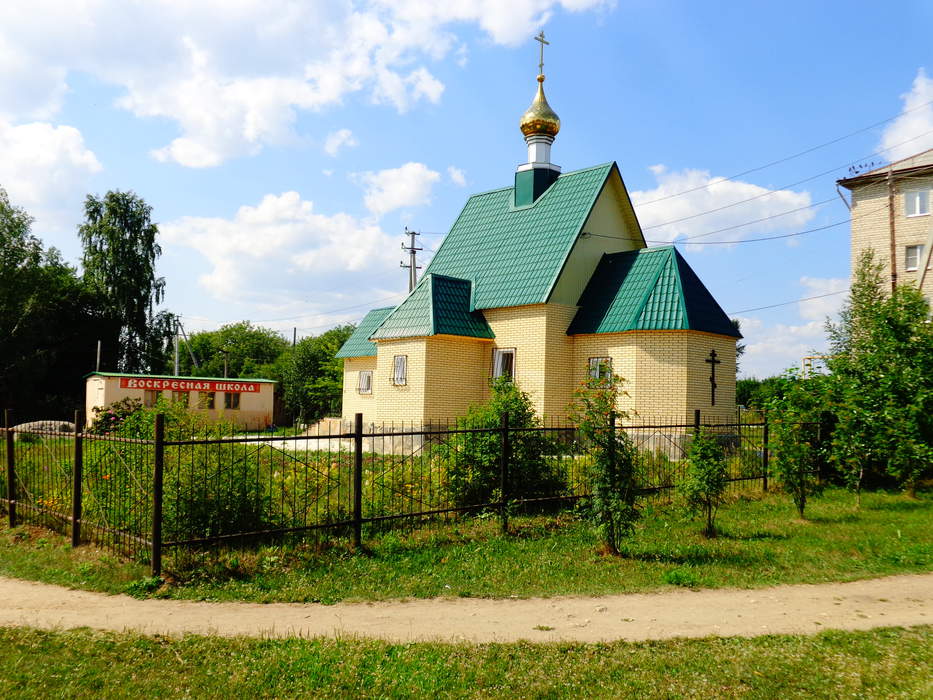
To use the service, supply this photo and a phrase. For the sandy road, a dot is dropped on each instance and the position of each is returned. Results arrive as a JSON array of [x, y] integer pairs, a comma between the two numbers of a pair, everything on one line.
[[892, 601]]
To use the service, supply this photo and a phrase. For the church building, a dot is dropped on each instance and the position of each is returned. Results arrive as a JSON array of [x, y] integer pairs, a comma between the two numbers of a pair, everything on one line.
[[547, 281]]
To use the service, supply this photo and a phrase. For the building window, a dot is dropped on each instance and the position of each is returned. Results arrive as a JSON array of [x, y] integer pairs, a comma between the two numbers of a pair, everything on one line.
[[151, 398], [400, 370], [917, 202], [912, 255], [232, 401], [181, 397], [503, 362], [600, 368], [365, 384], [206, 399]]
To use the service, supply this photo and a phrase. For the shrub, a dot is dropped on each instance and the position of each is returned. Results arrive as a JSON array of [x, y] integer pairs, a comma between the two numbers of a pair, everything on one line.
[[794, 437], [472, 459], [613, 470], [707, 476], [111, 418]]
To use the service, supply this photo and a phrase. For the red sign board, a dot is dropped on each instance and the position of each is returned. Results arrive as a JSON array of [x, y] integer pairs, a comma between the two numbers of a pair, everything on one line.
[[231, 386]]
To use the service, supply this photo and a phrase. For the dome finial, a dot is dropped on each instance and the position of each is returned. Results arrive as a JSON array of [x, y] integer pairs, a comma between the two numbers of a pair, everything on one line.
[[539, 118]]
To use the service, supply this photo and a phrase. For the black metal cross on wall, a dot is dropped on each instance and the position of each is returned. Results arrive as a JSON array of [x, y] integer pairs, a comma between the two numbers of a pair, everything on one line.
[[712, 376]]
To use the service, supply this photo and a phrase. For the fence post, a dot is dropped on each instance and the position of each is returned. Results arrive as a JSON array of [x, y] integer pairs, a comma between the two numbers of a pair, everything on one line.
[[10, 467], [158, 464], [696, 421], [765, 456], [358, 481], [504, 457], [76, 479]]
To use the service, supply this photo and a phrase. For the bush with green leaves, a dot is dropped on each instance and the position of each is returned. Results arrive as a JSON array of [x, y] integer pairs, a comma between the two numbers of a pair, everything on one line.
[[472, 459], [704, 485], [795, 443], [110, 419], [612, 507]]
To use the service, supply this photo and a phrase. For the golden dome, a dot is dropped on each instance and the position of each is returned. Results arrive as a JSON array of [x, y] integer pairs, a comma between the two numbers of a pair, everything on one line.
[[540, 118]]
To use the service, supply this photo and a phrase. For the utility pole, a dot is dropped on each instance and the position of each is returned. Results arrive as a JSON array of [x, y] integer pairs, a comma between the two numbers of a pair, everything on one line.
[[176, 348], [412, 265]]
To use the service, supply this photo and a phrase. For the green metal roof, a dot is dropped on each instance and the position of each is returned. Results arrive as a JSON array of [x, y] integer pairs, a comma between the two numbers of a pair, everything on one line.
[[438, 305], [359, 344], [649, 289], [172, 376], [513, 255]]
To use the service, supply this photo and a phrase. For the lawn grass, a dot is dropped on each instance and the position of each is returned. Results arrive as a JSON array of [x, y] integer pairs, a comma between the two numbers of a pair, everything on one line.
[[883, 663], [761, 543]]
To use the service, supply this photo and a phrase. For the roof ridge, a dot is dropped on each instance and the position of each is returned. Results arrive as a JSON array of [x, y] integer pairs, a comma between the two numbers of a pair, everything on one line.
[[890, 166]]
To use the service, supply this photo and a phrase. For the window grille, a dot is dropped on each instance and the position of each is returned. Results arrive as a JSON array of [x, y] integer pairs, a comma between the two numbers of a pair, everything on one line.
[[400, 370]]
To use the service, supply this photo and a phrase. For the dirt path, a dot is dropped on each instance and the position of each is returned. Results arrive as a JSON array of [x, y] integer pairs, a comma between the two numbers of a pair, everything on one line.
[[895, 600]]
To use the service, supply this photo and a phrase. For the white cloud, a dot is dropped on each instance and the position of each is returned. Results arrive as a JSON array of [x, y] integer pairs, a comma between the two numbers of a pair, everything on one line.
[[457, 176], [911, 132], [406, 186], [282, 249], [820, 309], [233, 77], [342, 138], [703, 192], [772, 348], [45, 170]]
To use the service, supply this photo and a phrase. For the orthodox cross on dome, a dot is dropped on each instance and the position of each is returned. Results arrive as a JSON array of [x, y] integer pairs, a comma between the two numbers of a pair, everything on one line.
[[712, 376], [541, 38]]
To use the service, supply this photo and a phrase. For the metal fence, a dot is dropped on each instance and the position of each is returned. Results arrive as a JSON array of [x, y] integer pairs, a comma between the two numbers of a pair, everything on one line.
[[174, 491]]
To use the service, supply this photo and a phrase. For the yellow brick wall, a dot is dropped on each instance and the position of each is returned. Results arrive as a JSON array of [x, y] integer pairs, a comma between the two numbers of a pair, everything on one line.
[[353, 401], [457, 376], [665, 374], [399, 403], [871, 227], [543, 351]]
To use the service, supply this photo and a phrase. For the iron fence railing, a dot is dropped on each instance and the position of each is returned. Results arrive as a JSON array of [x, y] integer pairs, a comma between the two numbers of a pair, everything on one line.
[[140, 497]]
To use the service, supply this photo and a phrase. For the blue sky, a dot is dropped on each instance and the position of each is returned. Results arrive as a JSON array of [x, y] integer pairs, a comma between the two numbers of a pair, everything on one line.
[[284, 146]]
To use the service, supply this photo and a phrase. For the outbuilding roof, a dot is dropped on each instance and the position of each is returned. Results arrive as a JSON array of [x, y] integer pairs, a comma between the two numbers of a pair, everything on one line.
[[172, 376], [649, 289], [359, 344], [438, 305]]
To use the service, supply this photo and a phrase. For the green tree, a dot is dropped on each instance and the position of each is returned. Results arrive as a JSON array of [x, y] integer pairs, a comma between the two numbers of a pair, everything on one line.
[[882, 369], [613, 509], [312, 377], [120, 253], [704, 486], [245, 349], [473, 459], [795, 442], [49, 320]]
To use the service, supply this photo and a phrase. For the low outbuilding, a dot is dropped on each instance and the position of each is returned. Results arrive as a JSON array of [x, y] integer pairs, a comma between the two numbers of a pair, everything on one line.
[[248, 403]]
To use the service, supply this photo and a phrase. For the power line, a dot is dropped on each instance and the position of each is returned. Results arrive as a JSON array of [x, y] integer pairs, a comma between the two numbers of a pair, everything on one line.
[[788, 303], [791, 157], [767, 193]]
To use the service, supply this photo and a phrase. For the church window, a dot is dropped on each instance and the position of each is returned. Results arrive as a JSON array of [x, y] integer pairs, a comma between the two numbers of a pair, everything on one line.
[[601, 369], [917, 202], [400, 370], [365, 384], [503, 362]]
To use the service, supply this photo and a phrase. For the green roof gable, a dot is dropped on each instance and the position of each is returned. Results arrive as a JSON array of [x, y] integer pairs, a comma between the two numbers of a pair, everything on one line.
[[438, 305], [359, 344], [513, 255], [649, 289]]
